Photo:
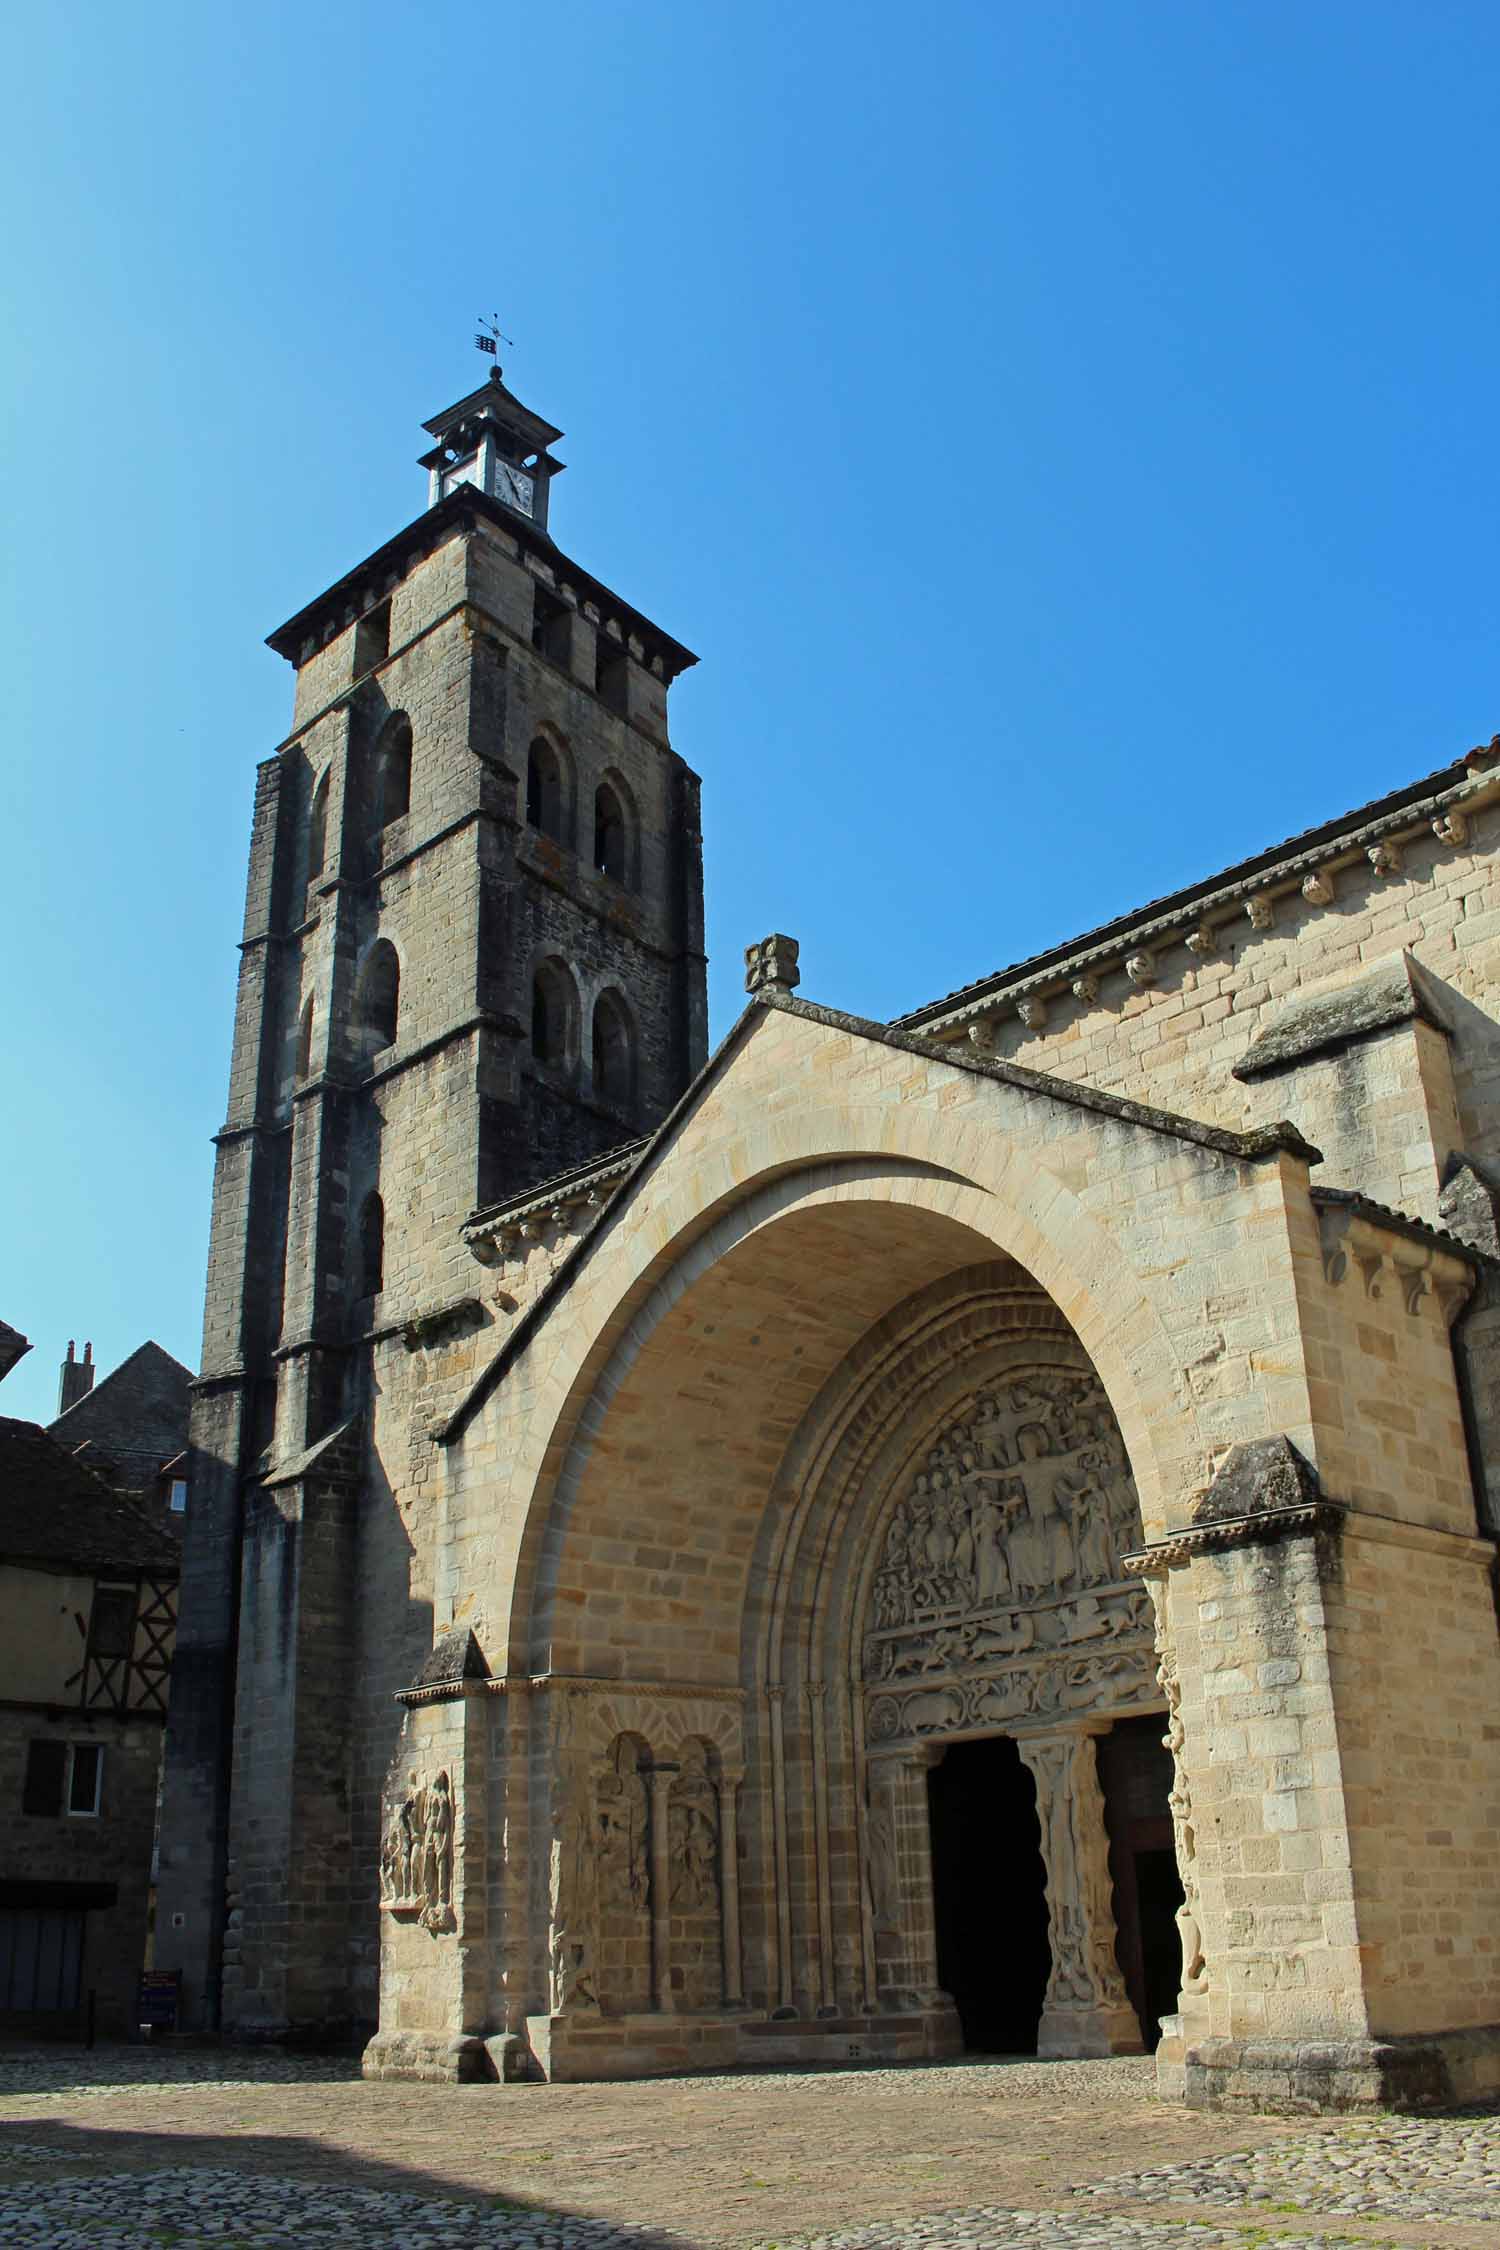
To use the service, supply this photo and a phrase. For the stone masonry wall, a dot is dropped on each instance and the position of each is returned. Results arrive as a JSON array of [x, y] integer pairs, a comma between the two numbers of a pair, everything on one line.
[[113, 1848], [1174, 1041], [1415, 1671]]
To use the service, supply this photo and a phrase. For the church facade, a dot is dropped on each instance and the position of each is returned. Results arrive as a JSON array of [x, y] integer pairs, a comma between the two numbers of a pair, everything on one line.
[[971, 1531]]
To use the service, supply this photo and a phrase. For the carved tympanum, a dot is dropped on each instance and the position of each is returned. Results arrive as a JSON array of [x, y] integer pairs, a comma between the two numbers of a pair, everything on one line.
[[416, 1854], [1002, 1557]]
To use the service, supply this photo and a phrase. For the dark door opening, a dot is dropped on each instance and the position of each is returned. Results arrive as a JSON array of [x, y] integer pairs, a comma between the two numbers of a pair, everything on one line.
[[1135, 1771], [989, 1894]]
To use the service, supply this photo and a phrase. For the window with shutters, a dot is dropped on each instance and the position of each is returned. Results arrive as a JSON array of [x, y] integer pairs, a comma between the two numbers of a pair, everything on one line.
[[63, 1777], [46, 1777]]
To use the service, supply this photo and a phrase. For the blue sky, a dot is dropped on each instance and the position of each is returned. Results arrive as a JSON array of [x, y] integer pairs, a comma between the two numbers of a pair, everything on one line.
[[1067, 433]]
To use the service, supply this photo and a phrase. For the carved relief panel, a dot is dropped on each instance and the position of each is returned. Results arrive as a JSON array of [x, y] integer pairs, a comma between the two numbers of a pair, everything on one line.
[[621, 1812], [998, 1597], [641, 1913], [693, 1842], [416, 1854]]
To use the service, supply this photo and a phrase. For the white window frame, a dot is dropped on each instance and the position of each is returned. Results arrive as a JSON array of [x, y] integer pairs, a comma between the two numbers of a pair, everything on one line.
[[83, 1812]]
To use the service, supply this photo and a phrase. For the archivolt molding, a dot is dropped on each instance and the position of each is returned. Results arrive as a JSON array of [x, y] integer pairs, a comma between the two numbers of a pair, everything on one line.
[[666, 1233]]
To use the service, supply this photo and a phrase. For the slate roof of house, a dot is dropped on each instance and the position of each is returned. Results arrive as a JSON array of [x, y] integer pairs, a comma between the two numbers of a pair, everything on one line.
[[13, 1346], [55, 1512], [135, 1417]]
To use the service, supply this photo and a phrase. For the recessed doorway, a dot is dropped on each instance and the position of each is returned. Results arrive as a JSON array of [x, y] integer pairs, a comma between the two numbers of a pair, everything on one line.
[[1135, 1772], [989, 1894]]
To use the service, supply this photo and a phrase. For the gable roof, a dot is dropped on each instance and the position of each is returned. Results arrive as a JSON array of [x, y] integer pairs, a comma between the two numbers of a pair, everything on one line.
[[136, 1416], [627, 1167], [55, 1512]]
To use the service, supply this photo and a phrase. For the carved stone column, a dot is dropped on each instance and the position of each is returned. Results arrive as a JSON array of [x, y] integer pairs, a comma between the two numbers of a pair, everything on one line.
[[1086, 2011], [729, 1885], [899, 1883], [659, 1780]]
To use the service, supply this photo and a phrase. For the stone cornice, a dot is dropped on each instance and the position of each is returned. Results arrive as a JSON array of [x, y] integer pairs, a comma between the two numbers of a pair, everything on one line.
[[1369, 839], [1264, 1528], [1253, 1147], [486, 1230], [342, 603], [659, 1691]]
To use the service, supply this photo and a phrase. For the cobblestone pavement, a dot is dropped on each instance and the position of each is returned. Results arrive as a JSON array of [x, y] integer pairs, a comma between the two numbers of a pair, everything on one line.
[[134, 2149]]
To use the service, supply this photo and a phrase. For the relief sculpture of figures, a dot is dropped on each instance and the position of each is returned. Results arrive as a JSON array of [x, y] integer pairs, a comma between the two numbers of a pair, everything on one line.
[[1007, 1536], [694, 1828], [572, 1888], [1194, 1967], [624, 1863], [416, 1854]]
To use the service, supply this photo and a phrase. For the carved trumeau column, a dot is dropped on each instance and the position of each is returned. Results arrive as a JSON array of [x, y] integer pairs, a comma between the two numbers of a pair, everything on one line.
[[729, 1884], [659, 1780], [1086, 2011]]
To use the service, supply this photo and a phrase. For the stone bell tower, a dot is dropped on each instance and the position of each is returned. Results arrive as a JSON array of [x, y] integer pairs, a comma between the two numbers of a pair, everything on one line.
[[472, 957]]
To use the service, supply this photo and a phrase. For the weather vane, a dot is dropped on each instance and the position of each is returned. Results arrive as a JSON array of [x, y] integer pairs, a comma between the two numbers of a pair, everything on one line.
[[490, 337]]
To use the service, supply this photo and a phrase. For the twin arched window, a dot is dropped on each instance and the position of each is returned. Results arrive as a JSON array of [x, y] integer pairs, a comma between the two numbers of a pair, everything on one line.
[[377, 998], [612, 833], [371, 1247], [554, 1036], [546, 793], [554, 1012], [317, 827], [393, 770], [305, 1023], [614, 1052]]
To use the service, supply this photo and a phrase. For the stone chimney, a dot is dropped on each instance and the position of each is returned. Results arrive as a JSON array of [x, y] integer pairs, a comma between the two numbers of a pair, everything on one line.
[[77, 1378]]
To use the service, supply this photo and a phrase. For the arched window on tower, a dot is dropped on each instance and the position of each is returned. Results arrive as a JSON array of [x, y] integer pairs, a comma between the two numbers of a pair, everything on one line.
[[554, 1009], [613, 1052], [377, 998], [612, 833], [546, 795], [371, 1246], [305, 1038], [317, 827], [393, 770]]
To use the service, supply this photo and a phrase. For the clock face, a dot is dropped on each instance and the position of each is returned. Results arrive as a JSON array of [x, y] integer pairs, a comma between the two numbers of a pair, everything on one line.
[[515, 487]]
